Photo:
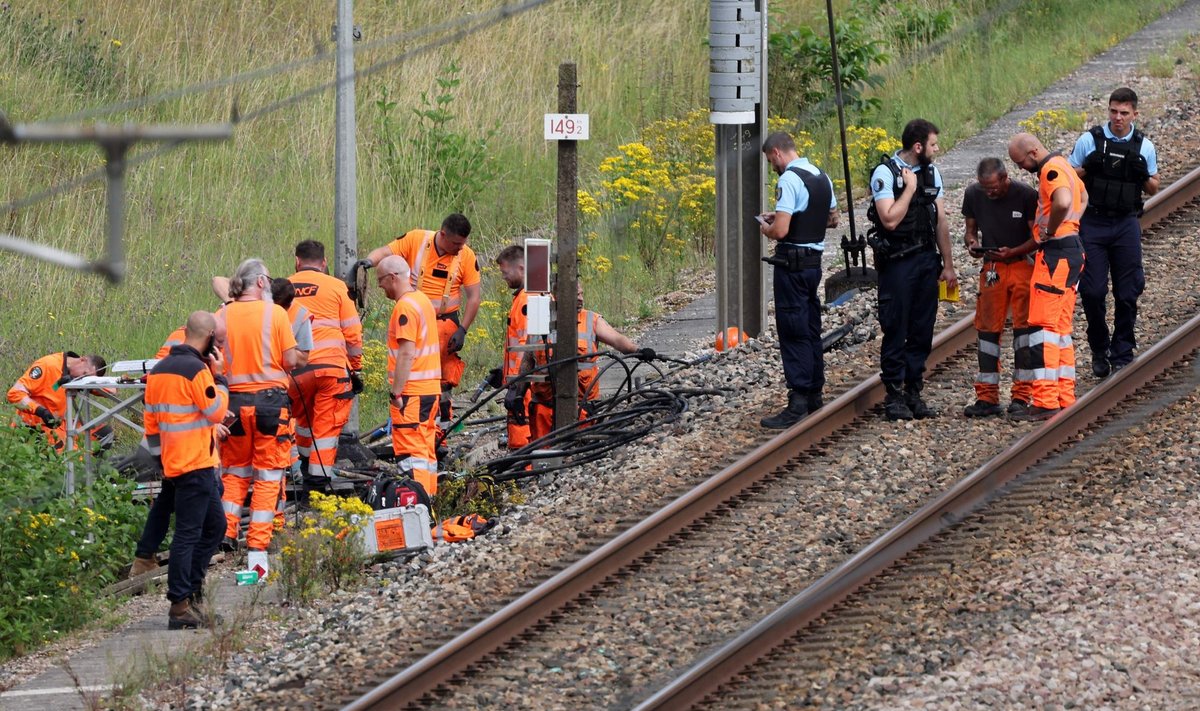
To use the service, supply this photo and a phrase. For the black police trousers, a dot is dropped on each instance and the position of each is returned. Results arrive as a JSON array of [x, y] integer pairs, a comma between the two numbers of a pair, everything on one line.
[[798, 323], [908, 303]]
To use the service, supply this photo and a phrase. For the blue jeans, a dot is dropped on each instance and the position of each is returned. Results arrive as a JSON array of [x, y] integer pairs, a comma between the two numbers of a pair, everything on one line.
[[199, 528], [158, 520]]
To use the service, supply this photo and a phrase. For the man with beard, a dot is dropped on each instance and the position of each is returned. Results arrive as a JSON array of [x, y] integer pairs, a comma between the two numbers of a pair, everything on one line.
[[909, 230]]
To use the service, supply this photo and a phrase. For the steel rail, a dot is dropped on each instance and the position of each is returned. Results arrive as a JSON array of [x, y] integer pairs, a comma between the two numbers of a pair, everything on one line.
[[1170, 199], [523, 613], [942, 512], [530, 608]]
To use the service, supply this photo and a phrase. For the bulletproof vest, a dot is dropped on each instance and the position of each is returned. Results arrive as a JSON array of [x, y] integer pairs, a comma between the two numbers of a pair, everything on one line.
[[919, 226], [808, 227], [1114, 174]]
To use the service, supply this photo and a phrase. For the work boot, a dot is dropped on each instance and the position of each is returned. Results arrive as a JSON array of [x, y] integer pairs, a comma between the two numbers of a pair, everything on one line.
[[814, 402], [1017, 407], [1036, 414], [1100, 367], [795, 411], [912, 397], [982, 408], [141, 566], [228, 545], [183, 617], [895, 407], [208, 617], [257, 560]]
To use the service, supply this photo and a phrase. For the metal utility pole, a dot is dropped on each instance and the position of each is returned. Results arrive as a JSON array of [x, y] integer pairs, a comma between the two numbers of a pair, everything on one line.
[[566, 376], [345, 198], [115, 141], [737, 103]]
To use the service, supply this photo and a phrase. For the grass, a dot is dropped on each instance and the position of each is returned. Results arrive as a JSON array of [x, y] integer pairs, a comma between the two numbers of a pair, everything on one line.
[[201, 209]]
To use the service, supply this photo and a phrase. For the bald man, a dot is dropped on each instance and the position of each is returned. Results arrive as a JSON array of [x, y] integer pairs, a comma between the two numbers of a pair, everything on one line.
[[1056, 270]]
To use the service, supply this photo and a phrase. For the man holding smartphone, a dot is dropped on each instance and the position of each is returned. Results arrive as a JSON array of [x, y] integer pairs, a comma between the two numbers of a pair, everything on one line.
[[805, 207], [1003, 211]]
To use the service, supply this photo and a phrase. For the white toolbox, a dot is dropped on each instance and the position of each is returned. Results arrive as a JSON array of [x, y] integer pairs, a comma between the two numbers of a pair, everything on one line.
[[399, 529]]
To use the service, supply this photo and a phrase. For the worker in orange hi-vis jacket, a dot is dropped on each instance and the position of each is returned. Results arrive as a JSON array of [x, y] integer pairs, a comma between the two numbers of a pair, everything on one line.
[[591, 330], [186, 399], [39, 397], [446, 270], [511, 261], [260, 349], [414, 372], [323, 391], [1062, 199]]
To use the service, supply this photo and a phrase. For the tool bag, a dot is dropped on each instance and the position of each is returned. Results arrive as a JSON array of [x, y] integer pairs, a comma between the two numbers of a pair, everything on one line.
[[389, 492]]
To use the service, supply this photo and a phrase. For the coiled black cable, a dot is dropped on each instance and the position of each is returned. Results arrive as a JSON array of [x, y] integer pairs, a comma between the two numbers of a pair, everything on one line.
[[626, 415]]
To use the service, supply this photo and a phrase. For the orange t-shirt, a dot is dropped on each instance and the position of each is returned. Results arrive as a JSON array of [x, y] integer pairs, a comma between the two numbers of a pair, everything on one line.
[[431, 270], [413, 320], [1057, 173]]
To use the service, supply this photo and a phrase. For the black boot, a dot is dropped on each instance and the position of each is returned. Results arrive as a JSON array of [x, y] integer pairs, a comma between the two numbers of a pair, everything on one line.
[[814, 402], [895, 407], [795, 411], [912, 396]]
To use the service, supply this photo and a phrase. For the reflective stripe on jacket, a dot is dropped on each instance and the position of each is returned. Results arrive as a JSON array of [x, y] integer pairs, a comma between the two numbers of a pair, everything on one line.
[[516, 335], [413, 320], [257, 334], [337, 331], [183, 404]]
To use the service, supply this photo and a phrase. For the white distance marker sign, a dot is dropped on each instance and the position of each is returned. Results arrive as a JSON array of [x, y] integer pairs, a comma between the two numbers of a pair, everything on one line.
[[566, 127]]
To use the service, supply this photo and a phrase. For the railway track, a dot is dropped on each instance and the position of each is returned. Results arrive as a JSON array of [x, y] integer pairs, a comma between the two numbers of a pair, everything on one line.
[[491, 661]]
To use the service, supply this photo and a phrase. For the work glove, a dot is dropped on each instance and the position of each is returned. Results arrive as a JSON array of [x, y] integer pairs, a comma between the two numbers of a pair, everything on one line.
[[514, 402], [364, 263], [356, 381], [646, 354], [457, 339], [494, 379], [47, 417]]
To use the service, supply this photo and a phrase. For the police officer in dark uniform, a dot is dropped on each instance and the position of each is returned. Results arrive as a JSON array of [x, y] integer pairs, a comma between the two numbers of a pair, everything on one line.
[[1117, 164], [909, 230], [804, 207]]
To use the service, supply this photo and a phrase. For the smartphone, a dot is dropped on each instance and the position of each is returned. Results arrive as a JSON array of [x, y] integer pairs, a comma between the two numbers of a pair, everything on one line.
[[978, 251], [761, 220], [210, 347]]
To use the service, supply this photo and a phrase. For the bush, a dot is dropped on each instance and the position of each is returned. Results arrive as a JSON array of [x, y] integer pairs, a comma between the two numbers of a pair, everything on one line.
[[802, 65], [57, 552], [324, 553]]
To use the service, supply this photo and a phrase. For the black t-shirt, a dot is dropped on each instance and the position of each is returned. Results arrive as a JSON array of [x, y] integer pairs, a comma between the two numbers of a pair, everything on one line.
[[1003, 222]]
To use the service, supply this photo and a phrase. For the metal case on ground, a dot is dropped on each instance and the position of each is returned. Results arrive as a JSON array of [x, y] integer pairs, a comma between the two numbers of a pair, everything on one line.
[[398, 529]]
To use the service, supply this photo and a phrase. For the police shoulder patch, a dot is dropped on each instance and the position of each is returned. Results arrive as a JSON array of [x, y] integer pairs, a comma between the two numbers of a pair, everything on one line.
[[35, 372], [877, 184], [403, 319], [1052, 175]]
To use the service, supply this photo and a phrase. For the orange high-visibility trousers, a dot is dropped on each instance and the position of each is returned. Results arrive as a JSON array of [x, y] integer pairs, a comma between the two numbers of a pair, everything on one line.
[[321, 400], [1008, 291], [251, 457], [1052, 293], [414, 433]]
